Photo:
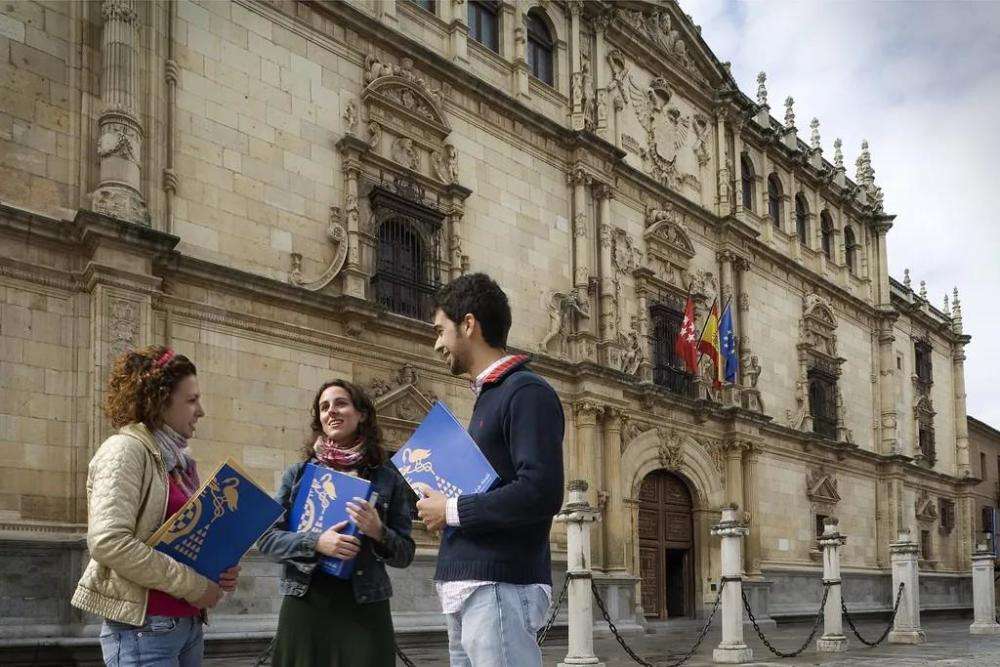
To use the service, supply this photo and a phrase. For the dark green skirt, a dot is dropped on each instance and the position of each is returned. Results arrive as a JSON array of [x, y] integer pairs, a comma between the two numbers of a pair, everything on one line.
[[327, 628]]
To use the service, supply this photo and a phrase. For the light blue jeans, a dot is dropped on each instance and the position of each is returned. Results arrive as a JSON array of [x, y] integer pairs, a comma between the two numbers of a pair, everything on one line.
[[163, 641], [496, 627]]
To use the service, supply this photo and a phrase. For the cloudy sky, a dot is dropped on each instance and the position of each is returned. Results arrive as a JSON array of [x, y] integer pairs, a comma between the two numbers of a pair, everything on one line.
[[921, 82]]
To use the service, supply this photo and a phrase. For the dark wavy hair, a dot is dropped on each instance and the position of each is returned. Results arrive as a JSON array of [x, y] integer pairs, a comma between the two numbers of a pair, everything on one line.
[[368, 427], [480, 295], [139, 391]]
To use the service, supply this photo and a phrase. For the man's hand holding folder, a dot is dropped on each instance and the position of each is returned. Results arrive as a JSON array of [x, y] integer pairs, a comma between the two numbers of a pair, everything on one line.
[[431, 509]]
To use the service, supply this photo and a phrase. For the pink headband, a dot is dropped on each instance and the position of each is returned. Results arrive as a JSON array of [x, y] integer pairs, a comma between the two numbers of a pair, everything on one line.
[[164, 358]]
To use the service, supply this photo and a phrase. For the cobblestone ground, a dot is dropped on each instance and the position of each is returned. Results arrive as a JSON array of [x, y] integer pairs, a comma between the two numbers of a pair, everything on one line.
[[948, 643]]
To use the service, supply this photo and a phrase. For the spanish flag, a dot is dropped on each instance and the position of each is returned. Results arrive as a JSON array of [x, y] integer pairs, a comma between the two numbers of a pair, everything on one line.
[[709, 343]]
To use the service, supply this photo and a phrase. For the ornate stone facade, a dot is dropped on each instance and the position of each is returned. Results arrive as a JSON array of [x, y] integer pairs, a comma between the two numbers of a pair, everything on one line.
[[225, 186]]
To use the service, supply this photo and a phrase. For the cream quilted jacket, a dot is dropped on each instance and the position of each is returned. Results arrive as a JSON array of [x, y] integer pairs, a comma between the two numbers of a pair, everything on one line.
[[127, 496]]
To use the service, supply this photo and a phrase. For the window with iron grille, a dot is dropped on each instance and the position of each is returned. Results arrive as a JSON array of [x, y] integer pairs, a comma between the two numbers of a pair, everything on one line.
[[850, 248], [946, 512], [925, 544], [826, 229], [668, 369], [823, 402], [747, 178], [484, 23], [774, 200], [802, 219], [540, 48], [402, 281], [925, 437], [924, 368]]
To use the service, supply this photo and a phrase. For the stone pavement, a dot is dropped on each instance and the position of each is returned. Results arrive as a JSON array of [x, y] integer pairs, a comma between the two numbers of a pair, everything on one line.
[[949, 643]]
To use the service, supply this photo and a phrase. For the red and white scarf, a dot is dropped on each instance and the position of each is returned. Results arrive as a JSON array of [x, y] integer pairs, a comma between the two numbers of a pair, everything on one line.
[[335, 456]]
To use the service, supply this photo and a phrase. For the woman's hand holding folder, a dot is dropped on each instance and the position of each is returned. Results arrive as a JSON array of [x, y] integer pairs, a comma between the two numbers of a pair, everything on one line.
[[333, 543]]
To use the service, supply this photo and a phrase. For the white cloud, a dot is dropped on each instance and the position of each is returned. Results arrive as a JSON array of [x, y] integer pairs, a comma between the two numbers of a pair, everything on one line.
[[921, 82]]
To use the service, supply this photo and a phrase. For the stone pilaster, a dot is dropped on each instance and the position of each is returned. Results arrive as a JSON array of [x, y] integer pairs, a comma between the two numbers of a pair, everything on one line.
[[609, 321], [585, 417], [751, 494], [887, 385], [355, 277], [520, 72], [958, 381], [458, 30], [120, 133], [580, 181], [614, 507]]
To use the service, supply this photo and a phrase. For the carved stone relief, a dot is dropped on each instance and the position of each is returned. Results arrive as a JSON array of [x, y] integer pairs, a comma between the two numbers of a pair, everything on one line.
[[565, 310], [123, 327]]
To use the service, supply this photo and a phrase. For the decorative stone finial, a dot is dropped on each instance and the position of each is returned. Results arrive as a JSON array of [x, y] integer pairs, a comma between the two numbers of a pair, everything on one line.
[[814, 135], [956, 312], [761, 89], [947, 308], [789, 112], [906, 279], [865, 174], [923, 290], [838, 154]]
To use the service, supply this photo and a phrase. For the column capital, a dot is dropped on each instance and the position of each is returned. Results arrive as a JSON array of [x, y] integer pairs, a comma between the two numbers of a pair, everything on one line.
[[586, 412], [578, 176], [603, 191]]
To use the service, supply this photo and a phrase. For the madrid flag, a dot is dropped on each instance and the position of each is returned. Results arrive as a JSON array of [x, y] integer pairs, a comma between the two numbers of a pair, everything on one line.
[[686, 346]]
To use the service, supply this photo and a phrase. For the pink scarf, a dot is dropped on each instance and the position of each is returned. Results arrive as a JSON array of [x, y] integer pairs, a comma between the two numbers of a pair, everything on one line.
[[329, 453]]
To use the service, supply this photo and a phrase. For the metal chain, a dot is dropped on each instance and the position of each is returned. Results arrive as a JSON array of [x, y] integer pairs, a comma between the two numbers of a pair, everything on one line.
[[402, 656], [632, 654], [782, 654], [543, 633], [892, 620], [266, 655]]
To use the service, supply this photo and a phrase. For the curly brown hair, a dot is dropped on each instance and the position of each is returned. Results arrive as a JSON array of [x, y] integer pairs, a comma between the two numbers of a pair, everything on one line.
[[139, 391], [368, 428]]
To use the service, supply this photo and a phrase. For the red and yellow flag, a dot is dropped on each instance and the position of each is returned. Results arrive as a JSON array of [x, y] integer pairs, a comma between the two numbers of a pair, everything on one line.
[[709, 344]]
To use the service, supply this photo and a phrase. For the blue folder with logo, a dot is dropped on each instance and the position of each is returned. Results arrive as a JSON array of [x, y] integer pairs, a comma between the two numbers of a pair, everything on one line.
[[219, 523], [321, 503], [441, 455]]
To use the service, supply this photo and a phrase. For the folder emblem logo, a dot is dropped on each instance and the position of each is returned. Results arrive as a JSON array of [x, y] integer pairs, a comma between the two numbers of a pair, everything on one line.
[[189, 528], [323, 490], [416, 461]]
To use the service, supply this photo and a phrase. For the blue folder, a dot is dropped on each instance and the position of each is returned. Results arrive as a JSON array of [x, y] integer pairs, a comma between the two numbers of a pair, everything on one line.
[[441, 455], [219, 523], [321, 503]]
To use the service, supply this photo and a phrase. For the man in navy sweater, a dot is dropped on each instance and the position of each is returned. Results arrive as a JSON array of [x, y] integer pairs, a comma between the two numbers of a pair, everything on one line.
[[494, 573]]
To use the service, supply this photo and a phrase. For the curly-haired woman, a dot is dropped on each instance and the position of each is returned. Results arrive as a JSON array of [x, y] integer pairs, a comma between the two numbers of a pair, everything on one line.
[[151, 604], [325, 620]]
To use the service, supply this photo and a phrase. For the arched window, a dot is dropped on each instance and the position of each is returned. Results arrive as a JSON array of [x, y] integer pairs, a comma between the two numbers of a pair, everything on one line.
[[401, 278], [540, 47], [748, 179], [484, 23], [826, 229], [774, 200], [850, 246], [802, 219], [823, 402]]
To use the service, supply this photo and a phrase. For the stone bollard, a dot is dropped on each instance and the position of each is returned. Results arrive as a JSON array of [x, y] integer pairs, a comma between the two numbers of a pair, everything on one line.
[[983, 602], [833, 639], [732, 649], [906, 626], [578, 516]]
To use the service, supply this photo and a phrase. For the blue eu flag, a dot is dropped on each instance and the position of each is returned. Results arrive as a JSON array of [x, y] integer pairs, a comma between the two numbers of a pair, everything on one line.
[[727, 339]]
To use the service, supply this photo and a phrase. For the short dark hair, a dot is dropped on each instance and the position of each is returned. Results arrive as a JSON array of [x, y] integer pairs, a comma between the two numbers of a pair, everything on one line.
[[478, 294], [368, 428]]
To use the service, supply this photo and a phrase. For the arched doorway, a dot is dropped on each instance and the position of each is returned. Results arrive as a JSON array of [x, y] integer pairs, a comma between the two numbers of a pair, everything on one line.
[[666, 546]]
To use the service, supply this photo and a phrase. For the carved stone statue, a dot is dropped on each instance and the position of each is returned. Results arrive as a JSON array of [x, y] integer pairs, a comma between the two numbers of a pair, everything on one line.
[[351, 117], [565, 308], [752, 396], [446, 164], [633, 355]]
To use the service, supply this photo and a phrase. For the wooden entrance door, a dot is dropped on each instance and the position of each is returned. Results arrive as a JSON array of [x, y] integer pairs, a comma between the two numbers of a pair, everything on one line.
[[665, 546]]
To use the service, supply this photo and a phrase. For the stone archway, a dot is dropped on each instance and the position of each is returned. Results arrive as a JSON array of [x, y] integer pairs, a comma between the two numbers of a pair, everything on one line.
[[679, 453]]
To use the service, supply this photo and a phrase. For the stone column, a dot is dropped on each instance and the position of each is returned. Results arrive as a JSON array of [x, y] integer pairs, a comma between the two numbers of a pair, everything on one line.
[[734, 471], [738, 169], [984, 620], [585, 413], [577, 91], [958, 381], [887, 384], [579, 179], [614, 510], [600, 64], [351, 149], [578, 515], [609, 318], [833, 639], [754, 549], [882, 227], [520, 72], [722, 168], [732, 649], [906, 627], [458, 43], [120, 134]]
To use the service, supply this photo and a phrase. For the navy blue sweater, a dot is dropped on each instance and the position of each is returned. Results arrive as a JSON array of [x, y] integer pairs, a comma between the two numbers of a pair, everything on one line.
[[503, 534]]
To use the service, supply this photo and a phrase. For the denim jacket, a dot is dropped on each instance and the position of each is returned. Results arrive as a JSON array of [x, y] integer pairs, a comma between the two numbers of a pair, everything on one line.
[[297, 551]]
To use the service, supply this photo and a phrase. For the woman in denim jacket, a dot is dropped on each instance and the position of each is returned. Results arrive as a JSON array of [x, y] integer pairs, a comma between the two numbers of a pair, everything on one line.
[[326, 621]]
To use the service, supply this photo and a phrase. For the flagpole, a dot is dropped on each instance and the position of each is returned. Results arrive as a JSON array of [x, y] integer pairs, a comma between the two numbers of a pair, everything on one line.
[[700, 353]]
